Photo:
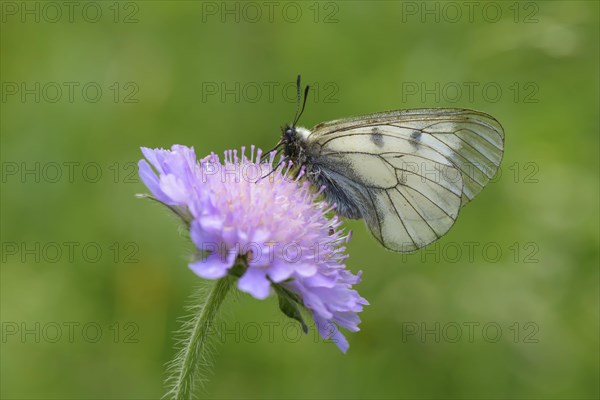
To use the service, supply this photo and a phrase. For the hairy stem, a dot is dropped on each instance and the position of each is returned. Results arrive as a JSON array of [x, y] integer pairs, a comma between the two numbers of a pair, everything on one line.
[[194, 353]]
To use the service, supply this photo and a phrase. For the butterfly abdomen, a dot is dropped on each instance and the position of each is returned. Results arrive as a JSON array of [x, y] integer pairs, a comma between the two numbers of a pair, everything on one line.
[[349, 200]]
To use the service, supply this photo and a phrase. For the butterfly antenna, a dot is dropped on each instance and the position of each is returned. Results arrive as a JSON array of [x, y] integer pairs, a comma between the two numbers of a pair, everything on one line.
[[298, 97], [303, 103], [273, 170], [268, 153]]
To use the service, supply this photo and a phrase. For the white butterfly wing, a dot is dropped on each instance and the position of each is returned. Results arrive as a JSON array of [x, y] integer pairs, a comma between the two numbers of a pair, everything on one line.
[[418, 167]]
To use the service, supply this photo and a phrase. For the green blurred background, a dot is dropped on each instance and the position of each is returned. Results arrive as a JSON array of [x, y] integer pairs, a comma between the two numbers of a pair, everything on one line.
[[219, 75]]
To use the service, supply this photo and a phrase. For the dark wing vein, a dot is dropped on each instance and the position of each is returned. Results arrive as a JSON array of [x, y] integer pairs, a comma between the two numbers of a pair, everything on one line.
[[380, 237], [401, 221], [433, 202], [418, 213], [473, 121]]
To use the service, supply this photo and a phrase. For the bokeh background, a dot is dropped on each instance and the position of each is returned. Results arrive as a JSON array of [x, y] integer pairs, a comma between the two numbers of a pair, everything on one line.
[[504, 306]]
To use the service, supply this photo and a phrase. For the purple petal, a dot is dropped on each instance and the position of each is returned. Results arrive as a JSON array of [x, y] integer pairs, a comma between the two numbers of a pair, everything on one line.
[[255, 282], [230, 235], [280, 271], [152, 156], [148, 175], [204, 240], [320, 280], [210, 223], [212, 267], [174, 188], [261, 235], [328, 330], [305, 269], [150, 179]]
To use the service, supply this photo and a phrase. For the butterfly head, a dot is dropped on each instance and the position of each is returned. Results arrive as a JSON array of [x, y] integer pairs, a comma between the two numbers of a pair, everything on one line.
[[289, 140], [288, 133]]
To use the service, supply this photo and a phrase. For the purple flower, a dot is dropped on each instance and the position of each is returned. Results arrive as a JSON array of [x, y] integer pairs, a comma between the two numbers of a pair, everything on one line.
[[273, 223]]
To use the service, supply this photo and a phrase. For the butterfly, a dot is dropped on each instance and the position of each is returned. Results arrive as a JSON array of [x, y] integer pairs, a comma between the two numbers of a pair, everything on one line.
[[407, 173]]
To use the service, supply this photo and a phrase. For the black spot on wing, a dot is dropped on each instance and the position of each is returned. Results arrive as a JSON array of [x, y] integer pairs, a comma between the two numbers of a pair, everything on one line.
[[415, 138], [376, 137]]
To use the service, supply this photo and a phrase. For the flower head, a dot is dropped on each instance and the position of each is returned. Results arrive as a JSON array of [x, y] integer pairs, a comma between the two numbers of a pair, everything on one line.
[[274, 223]]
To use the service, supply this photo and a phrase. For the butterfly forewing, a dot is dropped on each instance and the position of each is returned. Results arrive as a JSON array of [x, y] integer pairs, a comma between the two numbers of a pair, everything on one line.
[[417, 167]]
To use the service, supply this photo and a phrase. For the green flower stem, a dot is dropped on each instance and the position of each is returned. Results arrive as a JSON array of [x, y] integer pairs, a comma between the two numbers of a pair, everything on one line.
[[194, 351]]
